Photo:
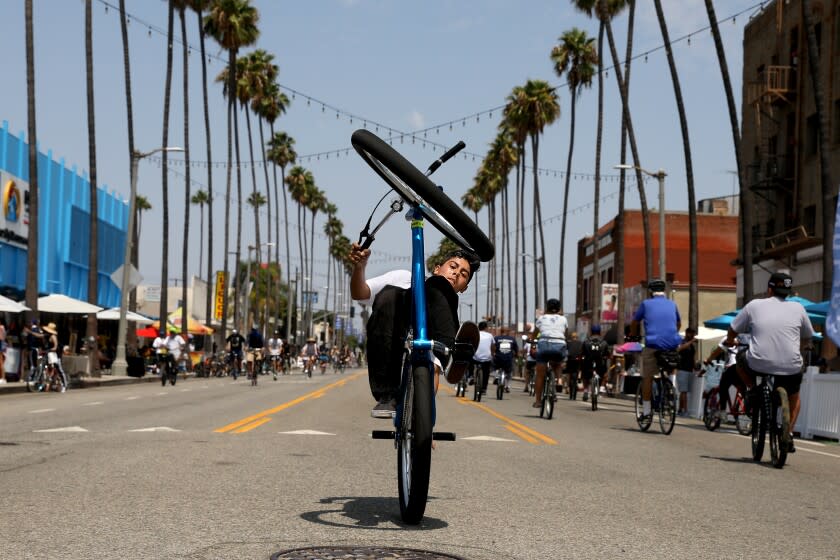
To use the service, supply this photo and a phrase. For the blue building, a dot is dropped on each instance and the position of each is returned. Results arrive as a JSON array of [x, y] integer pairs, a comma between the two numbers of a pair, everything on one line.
[[64, 226]]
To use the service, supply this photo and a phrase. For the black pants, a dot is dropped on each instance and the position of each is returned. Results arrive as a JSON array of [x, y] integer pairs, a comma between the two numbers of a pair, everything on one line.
[[389, 322], [485, 372]]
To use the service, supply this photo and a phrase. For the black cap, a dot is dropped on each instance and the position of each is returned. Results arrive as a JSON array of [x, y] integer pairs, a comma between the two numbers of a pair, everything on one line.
[[781, 283]]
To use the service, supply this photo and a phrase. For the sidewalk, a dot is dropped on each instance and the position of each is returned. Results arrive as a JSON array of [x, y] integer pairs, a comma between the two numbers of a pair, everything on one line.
[[84, 383]]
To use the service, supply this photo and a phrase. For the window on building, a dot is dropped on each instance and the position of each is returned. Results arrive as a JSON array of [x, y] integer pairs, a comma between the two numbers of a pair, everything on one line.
[[809, 219], [811, 135]]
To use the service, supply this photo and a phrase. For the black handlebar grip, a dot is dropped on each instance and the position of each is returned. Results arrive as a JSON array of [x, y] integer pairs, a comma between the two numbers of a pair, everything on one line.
[[367, 243], [449, 153]]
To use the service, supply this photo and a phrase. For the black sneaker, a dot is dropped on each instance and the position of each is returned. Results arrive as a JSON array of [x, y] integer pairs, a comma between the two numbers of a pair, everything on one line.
[[385, 408]]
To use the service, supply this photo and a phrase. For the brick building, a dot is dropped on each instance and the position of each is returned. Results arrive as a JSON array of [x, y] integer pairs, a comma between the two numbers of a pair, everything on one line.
[[717, 248], [779, 139]]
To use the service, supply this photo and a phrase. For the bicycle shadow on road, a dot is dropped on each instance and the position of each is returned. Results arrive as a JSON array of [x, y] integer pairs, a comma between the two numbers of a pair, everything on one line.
[[367, 512], [742, 460]]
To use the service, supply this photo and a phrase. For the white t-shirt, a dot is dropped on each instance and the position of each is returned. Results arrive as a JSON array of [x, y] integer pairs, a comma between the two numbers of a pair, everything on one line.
[[552, 326], [172, 343], [275, 345], [732, 351], [398, 278], [484, 353]]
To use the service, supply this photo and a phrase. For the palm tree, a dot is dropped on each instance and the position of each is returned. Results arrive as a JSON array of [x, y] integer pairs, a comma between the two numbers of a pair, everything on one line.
[[504, 158], [93, 236], [315, 203], [201, 198], [32, 251], [540, 108], [255, 200], [826, 190], [281, 152], [198, 6], [181, 6], [745, 203], [513, 121], [693, 308], [471, 200], [575, 57], [167, 91], [233, 24], [141, 204]]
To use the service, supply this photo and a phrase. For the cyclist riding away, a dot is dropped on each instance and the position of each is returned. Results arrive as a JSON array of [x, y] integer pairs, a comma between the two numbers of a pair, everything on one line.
[[550, 336], [483, 357], [779, 330], [389, 297], [505, 349], [661, 320], [596, 353]]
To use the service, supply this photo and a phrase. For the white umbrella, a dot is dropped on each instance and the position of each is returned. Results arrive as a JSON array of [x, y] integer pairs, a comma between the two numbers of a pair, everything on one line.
[[11, 306], [113, 314], [59, 303]]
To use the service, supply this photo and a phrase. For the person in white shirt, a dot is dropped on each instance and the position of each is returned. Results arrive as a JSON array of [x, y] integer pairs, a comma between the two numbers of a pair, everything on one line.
[[550, 335], [389, 297], [275, 351], [169, 347], [484, 354]]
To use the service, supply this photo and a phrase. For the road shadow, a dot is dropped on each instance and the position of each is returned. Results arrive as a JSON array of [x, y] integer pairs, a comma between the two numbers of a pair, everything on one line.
[[742, 460], [367, 512]]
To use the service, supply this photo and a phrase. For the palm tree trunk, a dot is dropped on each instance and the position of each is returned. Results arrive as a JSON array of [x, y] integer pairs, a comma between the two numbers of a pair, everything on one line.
[[506, 239], [535, 142], [693, 307], [566, 194], [237, 312], [596, 272], [201, 247], [32, 250], [253, 183], [827, 193], [631, 136], [745, 195], [93, 249], [517, 251], [164, 271], [186, 239], [522, 225], [227, 209], [267, 190], [208, 313]]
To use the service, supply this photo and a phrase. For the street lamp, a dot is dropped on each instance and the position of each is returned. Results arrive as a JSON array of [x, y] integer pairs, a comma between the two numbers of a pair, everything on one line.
[[120, 366], [660, 176], [472, 317]]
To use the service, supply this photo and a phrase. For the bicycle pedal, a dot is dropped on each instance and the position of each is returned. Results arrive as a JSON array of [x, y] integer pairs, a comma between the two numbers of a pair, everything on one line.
[[383, 434], [443, 436]]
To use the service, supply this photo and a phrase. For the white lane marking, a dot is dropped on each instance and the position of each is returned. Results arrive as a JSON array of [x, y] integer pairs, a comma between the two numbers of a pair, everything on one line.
[[810, 442], [307, 433], [94, 403], [67, 429], [40, 410], [156, 429], [818, 452], [131, 398], [488, 438], [186, 390], [163, 393]]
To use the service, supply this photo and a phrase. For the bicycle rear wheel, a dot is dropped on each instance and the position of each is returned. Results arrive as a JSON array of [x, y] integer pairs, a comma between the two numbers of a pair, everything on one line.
[[780, 428], [759, 426], [500, 388], [594, 386], [549, 394], [644, 423], [418, 190], [477, 378], [667, 406], [414, 449], [710, 408], [743, 422]]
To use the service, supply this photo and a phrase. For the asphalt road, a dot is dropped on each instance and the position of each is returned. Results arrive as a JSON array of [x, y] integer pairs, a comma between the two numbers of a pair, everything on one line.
[[216, 469]]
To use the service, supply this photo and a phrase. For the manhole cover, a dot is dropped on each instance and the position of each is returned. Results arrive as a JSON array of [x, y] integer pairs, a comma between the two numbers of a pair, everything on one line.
[[360, 553]]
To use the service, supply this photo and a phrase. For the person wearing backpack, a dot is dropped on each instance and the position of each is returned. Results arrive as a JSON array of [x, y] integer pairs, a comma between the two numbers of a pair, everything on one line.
[[595, 356]]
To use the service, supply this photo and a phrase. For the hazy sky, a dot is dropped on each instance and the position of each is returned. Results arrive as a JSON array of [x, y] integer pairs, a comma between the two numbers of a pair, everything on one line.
[[405, 65]]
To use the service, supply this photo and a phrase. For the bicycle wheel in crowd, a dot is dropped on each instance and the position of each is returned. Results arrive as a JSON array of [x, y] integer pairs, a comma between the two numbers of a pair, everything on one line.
[[710, 407], [644, 424], [667, 407], [478, 383], [595, 385], [414, 449], [759, 425], [500, 388], [780, 428]]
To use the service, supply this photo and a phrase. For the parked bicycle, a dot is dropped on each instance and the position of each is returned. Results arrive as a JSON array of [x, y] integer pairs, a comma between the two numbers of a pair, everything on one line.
[[415, 413]]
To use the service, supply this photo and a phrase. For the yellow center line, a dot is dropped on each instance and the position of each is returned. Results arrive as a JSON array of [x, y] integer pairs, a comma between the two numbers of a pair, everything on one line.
[[522, 428], [522, 434], [311, 395], [252, 425]]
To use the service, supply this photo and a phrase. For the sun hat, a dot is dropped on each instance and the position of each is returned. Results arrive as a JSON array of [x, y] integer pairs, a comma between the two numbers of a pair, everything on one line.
[[51, 328]]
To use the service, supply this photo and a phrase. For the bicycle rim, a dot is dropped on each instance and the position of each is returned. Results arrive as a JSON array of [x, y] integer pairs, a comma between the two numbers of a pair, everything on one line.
[[759, 428], [478, 382], [643, 424], [780, 428], [667, 408], [710, 406], [596, 382], [414, 449], [549, 394]]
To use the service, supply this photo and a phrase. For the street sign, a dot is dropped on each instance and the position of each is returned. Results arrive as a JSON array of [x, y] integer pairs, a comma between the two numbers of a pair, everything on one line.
[[134, 276], [309, 297]]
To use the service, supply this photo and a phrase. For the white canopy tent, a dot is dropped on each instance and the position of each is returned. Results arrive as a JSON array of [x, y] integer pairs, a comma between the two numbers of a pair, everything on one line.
[[113, 314], [11, 306], [59, 303]]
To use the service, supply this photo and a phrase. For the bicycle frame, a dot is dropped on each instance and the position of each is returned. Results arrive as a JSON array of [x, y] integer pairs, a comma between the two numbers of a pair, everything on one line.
[[419, 345]]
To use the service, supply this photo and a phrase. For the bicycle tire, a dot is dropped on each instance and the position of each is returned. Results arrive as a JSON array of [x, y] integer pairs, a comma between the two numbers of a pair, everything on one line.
[[595, 386], [780, 428], [500, 388], [549, 392], [573, 381], [710, 406], [417, 189], [759, 427], [478, 381], [163, 374], [667, 407], [414, 449], [743, 422]]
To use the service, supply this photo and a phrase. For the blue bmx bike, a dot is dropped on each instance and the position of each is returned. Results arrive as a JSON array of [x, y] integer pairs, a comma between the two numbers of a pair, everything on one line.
[[415, 412]]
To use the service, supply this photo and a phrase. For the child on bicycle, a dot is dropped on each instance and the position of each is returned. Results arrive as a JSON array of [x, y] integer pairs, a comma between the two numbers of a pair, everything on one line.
[[389, 297]]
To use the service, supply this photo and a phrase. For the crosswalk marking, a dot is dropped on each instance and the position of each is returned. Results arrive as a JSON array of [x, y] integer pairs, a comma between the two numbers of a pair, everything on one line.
[[156, 429], [94, 403], [40, 410], [307, 433], [488, 438], [67, 429]]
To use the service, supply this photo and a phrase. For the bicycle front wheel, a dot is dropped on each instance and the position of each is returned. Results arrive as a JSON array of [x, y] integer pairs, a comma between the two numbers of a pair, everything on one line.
[[759, 426], [418, 190], [643, 421], [710, 407], [549, 394], [595, 386], [477, 378], [414, 449], [667, 407], [780, 428]]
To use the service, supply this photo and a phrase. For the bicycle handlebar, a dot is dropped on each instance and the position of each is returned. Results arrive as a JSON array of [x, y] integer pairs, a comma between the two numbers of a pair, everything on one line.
[[449, 153]]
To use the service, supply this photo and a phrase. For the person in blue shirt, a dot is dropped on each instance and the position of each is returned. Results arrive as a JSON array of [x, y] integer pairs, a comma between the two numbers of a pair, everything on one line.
[[661, 320]]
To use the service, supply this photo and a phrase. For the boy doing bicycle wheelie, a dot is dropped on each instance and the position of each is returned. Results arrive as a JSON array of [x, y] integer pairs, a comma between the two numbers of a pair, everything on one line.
[[389, 321]]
